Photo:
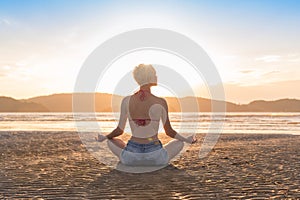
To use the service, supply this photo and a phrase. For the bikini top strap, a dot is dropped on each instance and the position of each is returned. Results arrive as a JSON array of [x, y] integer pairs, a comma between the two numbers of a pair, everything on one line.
[[142, 94]]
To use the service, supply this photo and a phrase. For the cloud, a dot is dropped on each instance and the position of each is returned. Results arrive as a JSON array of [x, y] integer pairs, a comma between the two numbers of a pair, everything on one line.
[[6, 67], [4, 70], [270, 73], [247, 71], [293, 58], [230, 57], [5, 22], [269, 58]]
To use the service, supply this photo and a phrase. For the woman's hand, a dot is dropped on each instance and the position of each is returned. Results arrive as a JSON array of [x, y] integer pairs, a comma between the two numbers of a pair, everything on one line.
[[100, 138], [191, 139]]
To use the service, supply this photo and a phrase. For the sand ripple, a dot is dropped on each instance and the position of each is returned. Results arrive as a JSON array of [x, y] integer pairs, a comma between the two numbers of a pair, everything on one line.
[[56, 165]]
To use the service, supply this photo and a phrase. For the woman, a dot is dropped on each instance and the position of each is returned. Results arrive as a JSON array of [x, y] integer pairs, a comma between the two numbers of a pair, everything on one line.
[[144, 112]]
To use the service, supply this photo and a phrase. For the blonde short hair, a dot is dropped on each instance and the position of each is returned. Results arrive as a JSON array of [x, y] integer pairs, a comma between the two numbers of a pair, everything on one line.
[[144, 74]]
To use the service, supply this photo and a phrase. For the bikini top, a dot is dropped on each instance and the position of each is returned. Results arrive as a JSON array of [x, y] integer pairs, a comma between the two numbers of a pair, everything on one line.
[[142, 122]]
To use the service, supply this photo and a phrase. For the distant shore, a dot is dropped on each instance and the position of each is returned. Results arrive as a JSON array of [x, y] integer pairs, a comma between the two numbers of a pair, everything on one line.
[[56, 165], [102, 102]]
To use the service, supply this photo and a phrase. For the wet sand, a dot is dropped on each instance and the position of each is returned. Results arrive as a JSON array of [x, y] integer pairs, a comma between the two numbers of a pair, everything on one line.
[[55, 165]]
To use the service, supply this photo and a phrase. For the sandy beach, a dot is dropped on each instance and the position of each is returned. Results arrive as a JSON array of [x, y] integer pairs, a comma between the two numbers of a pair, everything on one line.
[[55, 165]]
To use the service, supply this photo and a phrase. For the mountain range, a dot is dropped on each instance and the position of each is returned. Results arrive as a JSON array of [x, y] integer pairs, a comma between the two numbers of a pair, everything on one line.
[[108, 103]]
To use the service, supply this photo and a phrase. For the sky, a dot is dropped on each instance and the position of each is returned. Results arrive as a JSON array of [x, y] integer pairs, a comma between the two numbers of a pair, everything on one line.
[[255, 45]]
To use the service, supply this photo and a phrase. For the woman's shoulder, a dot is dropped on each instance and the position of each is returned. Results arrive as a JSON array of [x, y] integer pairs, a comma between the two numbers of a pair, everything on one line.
[[125, 100], [127, 97], [160, 100]]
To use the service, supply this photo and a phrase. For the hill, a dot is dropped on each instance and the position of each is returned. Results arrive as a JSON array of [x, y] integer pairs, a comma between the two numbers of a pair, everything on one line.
[[63, 102], [8, 104], [111, 103]]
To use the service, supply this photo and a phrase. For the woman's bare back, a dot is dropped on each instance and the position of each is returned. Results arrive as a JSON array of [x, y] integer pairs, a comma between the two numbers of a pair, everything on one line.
[[144, 110]]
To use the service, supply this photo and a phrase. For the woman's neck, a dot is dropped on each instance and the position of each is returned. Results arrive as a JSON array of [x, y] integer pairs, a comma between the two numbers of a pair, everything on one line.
[[146, 88]]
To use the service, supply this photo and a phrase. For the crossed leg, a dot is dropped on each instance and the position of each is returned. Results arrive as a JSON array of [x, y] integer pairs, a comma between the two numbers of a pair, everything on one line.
[[116, 146], [173, 148]]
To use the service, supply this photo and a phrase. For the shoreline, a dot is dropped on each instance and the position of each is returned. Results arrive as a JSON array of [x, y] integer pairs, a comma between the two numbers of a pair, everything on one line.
[[57, 165]]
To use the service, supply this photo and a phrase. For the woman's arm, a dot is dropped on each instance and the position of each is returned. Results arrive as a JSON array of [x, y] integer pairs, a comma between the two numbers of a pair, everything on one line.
[[115, 133], [166, 122], [168, 128], [122, 122]]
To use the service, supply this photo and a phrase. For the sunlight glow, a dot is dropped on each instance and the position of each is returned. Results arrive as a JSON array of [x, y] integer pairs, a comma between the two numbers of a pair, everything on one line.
[[127, 63]]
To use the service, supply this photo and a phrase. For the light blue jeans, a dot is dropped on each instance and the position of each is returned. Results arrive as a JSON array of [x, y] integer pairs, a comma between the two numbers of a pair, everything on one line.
[[138, 154]]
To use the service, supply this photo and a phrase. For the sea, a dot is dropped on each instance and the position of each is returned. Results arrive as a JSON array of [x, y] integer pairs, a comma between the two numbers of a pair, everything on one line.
[[224, 123]]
